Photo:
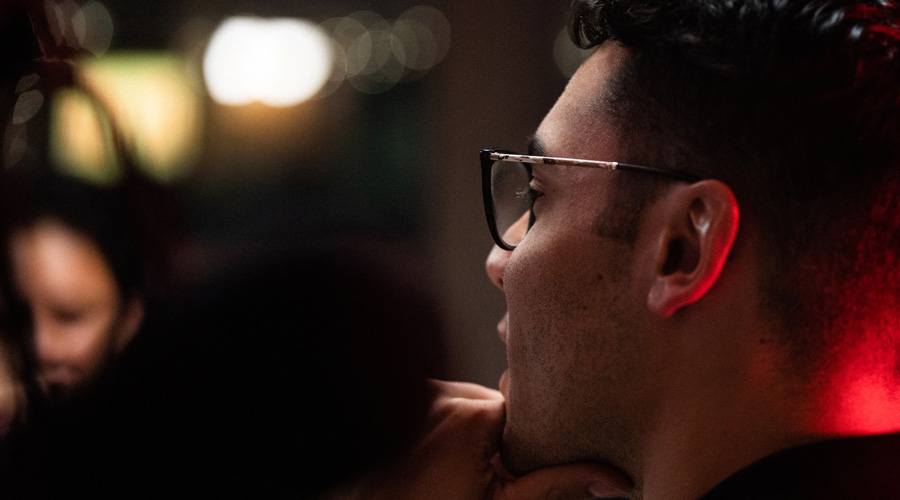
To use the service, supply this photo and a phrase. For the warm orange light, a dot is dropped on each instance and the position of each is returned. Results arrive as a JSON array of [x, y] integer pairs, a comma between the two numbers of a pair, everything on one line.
[[80, 139], [151, 97]]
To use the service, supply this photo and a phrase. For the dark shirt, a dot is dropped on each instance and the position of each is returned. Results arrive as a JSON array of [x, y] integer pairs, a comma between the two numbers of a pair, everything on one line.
[[860, 467]]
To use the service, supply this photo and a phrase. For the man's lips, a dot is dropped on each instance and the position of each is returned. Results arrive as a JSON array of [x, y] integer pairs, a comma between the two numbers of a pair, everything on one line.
[[504, 385], [502, 331]]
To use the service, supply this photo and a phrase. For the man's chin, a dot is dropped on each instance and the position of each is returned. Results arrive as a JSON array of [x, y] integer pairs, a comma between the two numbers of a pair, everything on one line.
[[515, 454], [521, 460], [521, 456], [517, 451]]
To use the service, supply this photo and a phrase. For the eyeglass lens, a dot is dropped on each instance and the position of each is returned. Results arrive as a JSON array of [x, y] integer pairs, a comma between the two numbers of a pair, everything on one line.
[[512, 203]]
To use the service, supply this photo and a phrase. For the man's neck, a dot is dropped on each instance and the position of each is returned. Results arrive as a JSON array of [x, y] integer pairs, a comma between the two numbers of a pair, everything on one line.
[[721, 411], [708, 432], [689, 461]]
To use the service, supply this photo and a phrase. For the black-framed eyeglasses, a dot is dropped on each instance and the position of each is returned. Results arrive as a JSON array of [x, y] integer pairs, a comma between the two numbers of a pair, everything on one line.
[[505, 179]]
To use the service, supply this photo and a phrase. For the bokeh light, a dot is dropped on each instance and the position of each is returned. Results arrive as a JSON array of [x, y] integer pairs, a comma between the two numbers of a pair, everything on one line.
[[431, 31], [375, 54], [86, 27], [279, 62], [154, 103], [80, 138], [27, 105], [98, 27]]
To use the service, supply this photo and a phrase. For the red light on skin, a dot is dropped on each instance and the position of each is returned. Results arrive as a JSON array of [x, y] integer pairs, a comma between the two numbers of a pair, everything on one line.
[[872, 408], [861, 402]]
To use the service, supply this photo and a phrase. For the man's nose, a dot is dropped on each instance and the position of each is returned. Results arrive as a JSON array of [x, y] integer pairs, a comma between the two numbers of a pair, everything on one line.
[[497, 259], [496, 265]]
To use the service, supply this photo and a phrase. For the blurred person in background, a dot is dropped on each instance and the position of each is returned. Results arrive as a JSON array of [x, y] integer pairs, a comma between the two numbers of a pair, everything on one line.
[[74, 269], [288, 372], [74, 274], [77, 274]]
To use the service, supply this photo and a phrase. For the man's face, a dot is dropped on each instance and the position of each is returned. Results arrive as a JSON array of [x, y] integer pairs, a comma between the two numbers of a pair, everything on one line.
[[573, 344], [75, 306]]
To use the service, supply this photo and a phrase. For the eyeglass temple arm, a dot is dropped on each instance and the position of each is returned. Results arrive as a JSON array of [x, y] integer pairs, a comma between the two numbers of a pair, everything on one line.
[[611, 165]]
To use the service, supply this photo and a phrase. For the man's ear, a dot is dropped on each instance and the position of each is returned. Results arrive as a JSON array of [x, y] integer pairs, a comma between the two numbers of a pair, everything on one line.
[[701, 223]]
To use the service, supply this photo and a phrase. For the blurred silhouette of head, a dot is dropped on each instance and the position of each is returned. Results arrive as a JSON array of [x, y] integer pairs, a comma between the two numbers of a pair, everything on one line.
[[76, 273]]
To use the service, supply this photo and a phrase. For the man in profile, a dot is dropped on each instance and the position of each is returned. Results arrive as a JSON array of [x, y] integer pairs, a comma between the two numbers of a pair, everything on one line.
[[703, 290]]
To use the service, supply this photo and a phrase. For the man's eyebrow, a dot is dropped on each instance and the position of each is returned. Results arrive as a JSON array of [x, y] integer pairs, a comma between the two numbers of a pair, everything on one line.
[[536, 147]]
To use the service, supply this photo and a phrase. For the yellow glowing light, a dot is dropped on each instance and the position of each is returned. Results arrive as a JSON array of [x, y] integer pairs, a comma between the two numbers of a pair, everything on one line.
[[279, 62], [153, 102], [81, 139]]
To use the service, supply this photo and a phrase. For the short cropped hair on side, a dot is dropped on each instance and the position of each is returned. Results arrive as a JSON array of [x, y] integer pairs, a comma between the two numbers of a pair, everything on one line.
[[795, 104]]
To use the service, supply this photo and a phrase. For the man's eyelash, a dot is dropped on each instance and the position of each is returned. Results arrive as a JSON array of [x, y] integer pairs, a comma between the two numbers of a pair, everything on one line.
[[529, 194]]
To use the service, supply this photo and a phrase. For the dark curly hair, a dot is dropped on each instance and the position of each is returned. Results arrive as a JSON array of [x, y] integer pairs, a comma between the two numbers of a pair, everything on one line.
[[795, 104]]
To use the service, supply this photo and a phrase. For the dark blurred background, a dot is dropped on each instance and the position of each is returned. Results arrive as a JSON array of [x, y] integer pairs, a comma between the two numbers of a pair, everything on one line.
[[400, 95]]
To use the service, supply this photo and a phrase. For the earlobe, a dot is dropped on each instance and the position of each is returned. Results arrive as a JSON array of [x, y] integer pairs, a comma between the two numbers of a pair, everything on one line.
[[698, 233]]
